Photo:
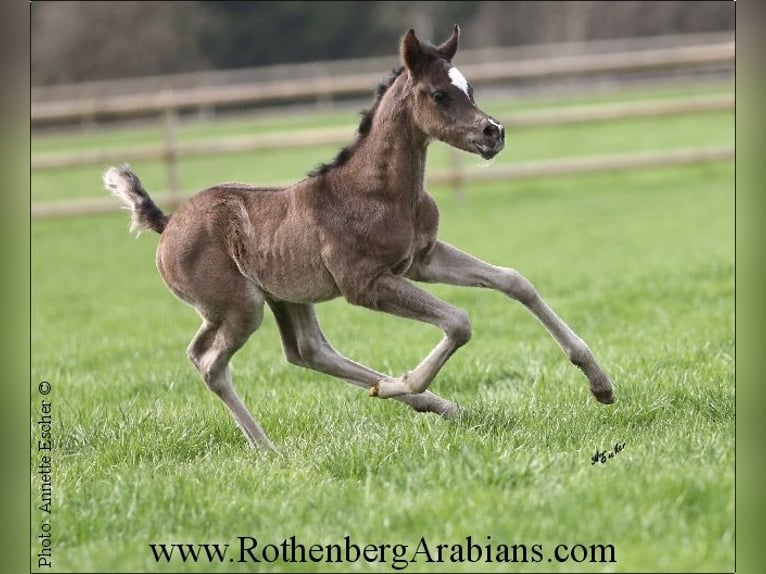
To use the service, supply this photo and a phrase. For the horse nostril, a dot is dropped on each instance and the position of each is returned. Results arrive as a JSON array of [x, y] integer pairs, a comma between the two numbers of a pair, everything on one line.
[[494, 131], [491, 131]]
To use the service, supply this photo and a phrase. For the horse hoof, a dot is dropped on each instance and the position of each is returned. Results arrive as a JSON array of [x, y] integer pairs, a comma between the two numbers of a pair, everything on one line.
[[373, 390], [606, 396], [454, 413]]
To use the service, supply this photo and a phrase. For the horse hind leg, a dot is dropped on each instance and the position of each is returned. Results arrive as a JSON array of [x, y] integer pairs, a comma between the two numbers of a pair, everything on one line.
[[223, 332]]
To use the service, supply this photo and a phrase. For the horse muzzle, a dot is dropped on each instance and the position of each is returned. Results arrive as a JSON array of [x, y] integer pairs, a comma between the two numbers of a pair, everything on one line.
[[492, 139]]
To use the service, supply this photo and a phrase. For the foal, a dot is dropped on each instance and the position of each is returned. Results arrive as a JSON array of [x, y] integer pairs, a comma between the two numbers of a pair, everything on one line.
[[361, 227]]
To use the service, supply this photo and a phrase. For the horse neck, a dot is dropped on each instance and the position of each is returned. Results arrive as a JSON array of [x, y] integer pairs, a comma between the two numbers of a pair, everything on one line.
[[391, 158]]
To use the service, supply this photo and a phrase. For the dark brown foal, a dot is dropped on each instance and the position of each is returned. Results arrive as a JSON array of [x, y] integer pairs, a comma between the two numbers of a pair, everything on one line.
[[361, 227]]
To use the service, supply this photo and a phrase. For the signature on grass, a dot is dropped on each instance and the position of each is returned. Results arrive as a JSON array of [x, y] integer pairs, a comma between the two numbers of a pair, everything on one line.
[[602, 456]]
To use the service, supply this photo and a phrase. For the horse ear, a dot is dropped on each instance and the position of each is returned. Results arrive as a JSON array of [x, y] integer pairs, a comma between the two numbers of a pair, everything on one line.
[[412, 53], [448, 48]]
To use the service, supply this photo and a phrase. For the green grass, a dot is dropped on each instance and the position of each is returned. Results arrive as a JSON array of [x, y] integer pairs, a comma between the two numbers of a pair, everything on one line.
[[640, 264]]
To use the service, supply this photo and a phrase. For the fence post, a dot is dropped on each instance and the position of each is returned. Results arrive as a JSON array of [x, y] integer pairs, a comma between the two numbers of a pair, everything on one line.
[[171, 156]]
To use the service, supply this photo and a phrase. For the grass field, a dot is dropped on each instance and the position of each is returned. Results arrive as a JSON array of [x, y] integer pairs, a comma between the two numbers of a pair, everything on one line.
[[641, 264]]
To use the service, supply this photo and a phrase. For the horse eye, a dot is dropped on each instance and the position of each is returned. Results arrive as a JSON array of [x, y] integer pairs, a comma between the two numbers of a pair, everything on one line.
[[440, 97]]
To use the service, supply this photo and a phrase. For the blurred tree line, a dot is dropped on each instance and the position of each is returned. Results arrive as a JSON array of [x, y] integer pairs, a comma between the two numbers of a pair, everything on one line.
[[79, 41]]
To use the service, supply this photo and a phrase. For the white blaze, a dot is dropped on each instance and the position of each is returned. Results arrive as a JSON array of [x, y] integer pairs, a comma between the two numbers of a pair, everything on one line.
[[458, 80]]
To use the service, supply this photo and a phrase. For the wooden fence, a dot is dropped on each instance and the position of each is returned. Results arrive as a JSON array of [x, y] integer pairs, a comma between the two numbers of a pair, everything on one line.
[[335, 68], [169, 105], [359, 84]]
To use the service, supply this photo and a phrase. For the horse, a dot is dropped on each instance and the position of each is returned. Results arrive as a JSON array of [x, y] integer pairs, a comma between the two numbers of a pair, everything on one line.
[[361, 227]]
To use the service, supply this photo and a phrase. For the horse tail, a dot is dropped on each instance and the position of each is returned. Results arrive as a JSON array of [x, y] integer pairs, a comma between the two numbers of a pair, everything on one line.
[[125, 185]]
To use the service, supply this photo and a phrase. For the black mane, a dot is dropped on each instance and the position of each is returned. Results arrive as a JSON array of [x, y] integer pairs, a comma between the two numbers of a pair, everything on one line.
[[364, 127]]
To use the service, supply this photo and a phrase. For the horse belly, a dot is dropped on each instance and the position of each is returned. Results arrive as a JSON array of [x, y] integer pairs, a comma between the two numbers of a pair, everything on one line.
[[285, 262], [294, 279]]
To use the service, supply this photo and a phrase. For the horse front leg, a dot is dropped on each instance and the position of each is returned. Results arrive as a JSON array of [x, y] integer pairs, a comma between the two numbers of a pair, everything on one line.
[[446, 264]]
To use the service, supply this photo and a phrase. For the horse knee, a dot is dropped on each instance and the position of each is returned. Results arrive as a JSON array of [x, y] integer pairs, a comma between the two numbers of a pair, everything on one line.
[[519, 287], [459, 328]]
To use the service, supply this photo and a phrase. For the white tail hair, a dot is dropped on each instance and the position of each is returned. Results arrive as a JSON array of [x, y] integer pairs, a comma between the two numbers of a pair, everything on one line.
[[124, 184]]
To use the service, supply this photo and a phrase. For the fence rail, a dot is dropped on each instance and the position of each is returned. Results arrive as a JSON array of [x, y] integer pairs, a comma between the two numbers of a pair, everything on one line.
[[358, 84], [169, 104], [211, 78], [545, 168], [342, 135]]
